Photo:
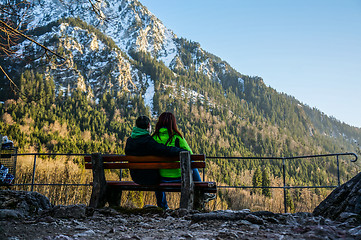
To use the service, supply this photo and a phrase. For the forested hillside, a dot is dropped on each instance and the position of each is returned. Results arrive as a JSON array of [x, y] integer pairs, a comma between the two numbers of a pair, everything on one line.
[[89, 103]]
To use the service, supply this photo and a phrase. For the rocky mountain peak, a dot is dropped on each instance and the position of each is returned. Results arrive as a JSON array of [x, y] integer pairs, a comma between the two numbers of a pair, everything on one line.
[[127, 22], [97, 39]]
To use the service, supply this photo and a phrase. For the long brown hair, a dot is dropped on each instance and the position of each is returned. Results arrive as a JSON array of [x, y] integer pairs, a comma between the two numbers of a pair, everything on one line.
[[167, 120]]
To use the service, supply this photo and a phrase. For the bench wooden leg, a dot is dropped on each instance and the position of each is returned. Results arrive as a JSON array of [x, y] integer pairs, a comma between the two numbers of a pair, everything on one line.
[[113, 195], [98, 196], [198, 200], [187, 188]]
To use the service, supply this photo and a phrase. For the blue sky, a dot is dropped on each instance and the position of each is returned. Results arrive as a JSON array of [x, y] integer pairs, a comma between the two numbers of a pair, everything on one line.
[[310, 49]]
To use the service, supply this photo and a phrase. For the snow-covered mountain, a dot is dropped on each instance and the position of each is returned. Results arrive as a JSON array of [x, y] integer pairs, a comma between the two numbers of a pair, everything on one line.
[[127, 22], [97, 39]]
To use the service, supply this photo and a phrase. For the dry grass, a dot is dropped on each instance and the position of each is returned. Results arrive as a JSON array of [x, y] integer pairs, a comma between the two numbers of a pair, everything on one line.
[[62, 170]]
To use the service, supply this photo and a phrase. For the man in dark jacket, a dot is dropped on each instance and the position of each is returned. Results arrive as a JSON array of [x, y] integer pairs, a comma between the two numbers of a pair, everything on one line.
[[140, 143]]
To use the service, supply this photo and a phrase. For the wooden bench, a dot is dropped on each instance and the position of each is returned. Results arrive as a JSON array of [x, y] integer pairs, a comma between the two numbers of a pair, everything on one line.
[[192, 193]]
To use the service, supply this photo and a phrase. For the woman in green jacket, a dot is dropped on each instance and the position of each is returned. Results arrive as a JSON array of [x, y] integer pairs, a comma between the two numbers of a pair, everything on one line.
[[167, 133]]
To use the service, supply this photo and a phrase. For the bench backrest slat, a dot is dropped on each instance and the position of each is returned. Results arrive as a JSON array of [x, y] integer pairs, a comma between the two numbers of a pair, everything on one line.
[[125, 158], [155, 165], [145, 162]]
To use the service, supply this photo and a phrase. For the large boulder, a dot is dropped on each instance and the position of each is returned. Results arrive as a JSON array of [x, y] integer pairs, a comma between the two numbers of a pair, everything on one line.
[[17, 204], [344, 200]]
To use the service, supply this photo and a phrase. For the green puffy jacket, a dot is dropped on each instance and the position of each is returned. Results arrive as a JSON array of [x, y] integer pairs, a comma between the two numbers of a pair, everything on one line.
[[163, 138]]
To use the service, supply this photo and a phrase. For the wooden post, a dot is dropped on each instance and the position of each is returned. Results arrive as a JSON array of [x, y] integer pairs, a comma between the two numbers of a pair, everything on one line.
[[114, 194], [187, 191], [198, 199], [98, 197]]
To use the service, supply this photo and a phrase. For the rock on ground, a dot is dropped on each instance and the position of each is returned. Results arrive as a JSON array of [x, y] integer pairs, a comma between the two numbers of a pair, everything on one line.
[[29, 215], [344, 200], [18, 204], [80, 222]]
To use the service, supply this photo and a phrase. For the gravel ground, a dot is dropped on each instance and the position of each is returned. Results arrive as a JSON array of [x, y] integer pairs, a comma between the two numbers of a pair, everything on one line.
[[175, 224]]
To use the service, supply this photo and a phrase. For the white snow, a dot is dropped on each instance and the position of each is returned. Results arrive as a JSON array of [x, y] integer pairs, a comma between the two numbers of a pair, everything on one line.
[[170, 51], [241, 82], [149, 94]]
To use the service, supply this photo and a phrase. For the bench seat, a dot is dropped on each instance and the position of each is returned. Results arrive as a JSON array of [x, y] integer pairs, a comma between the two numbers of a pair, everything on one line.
[[209, 187]]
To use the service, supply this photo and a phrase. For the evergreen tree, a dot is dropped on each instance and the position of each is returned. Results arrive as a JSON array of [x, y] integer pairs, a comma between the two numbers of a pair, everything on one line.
[[266, 182], [289, 202], [257, 181]]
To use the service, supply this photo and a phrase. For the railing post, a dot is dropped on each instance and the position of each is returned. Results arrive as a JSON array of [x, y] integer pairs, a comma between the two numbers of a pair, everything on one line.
[[14, 156], [284, 184], [338, 171], [33, 177], [187, 187]]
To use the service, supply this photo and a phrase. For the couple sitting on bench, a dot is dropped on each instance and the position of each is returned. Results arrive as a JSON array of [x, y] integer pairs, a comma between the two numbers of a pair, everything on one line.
[[165, 141]]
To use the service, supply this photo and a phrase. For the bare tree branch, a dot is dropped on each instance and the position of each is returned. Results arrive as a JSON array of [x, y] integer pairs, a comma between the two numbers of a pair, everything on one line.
[[11, 81], [97, 11], [30, 39], [11, 18]]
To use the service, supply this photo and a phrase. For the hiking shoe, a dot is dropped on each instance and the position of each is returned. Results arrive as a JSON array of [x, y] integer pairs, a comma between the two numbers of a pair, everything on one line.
[[150, 207], [208, 197]]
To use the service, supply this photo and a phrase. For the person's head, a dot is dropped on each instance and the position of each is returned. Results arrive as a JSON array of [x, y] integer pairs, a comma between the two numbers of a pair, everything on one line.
[[167, 120], [143, 122]]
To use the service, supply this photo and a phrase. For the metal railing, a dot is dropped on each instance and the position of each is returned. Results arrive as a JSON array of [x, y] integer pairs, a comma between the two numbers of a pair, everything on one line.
[[32, 184], [285, 187]]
